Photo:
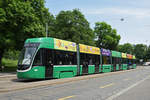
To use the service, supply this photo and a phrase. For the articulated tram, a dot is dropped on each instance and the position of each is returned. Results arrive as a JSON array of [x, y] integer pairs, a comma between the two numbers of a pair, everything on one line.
[[48, 57]]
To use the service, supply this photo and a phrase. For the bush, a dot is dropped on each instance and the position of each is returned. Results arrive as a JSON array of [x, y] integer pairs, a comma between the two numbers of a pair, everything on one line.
[[11, 54], [9, 62]]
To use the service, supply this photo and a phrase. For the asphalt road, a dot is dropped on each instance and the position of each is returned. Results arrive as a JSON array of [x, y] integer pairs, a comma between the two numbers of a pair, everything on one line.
[[130, 85]]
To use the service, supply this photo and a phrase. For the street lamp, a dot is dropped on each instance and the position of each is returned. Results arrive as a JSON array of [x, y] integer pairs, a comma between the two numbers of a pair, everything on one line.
[[122, 19]]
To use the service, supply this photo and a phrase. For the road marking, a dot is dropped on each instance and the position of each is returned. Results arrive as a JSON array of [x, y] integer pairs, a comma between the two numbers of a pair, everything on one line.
[[127, 79], [64, 98], [126, 89], [108, 85]]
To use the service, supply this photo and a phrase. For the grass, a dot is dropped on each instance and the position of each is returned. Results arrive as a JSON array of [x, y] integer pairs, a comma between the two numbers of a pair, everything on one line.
[[9, 65]]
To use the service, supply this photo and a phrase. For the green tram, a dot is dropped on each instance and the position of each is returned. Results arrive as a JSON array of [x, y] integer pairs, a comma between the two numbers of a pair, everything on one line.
[[54, 58], [116, 59]]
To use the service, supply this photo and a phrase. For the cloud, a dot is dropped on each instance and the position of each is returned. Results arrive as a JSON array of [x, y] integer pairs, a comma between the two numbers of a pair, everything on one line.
[[135, 12]]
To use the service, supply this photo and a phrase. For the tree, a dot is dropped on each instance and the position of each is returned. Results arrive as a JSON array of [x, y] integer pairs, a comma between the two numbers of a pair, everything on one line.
[[106, 36], [126, 48], [140, 51], [72, 26], [148, 54], [19, 20]]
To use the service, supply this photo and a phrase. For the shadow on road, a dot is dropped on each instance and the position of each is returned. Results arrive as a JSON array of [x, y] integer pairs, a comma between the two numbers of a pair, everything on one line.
[[30, 80]]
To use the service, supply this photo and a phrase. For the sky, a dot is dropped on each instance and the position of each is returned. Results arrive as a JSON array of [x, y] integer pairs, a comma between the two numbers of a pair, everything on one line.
[[135, 28]]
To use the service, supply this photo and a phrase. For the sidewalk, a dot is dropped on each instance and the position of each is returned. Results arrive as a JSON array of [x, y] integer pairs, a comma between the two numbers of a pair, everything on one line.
[[5, 74]]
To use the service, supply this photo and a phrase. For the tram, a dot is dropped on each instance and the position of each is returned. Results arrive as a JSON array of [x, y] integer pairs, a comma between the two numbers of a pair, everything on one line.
[[43, 58]]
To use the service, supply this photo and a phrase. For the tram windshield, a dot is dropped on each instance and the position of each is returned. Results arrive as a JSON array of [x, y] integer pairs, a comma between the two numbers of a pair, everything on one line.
[[26, 57]]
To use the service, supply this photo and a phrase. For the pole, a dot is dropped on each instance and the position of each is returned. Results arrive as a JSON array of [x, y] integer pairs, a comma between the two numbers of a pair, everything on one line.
[[78, 60], [46, 29]]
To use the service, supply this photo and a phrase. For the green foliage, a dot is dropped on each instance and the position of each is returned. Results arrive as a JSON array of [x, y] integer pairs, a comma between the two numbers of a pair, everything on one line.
[[72, 26], [107, 37], [148, 53], [21, 19], [126, 48], [140, 51], [11, 54], [9, 65], [9, 62]]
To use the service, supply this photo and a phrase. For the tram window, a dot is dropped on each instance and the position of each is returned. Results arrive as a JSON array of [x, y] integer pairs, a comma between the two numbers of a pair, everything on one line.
[[73, 58], [86, 59], [106, 60], [89, 59], [117, 60], [64, 58], [37, 59], [134, 61], [124, 61], [82, 58], [49, 56], [129, 61], [113, 60], [94, 59], [97, 59]]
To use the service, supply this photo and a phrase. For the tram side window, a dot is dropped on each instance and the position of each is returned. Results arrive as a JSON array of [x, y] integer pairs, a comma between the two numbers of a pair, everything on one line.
[[89, 59], [93, 59], [72, 58], [118, 60], [129, 61], [106, 60], [114, 60], [48, 56], [97, 59], [83, 59], [38, 58], [64, 58], [124, 61], [134, 61]]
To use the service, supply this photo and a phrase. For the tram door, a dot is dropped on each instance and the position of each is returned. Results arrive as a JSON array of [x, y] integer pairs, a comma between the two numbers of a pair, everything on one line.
[[114, 64], [120, 63], [96, 68], [49, 71], [97, 62], [48, 57], [84, 63], [85, 67]]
